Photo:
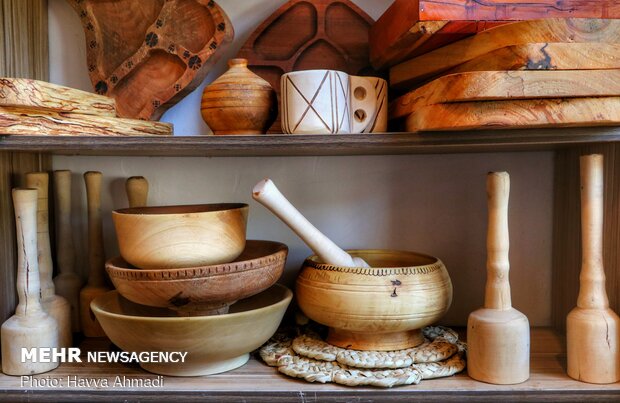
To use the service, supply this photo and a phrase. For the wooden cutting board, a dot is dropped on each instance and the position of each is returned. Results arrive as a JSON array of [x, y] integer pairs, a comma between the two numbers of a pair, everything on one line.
[[148, 55], [403, 30], [508, 85], [304, 35], [29, 121], [46, 96], [517, 114], [414, 71]]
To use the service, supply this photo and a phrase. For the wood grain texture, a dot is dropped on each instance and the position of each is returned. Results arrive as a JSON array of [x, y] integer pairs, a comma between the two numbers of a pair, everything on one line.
[[22, 92], [517, 114], [23, 121], [416, 70], [508, 85], [307, 35], [148, 55]]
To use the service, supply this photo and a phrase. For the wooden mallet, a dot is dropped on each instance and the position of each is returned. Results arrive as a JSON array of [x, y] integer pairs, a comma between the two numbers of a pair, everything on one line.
[[137, 188]]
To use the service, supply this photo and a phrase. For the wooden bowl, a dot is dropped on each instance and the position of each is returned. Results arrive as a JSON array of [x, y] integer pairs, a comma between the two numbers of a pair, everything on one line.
[[213, 344], [378, 308], [181, 236], [202, 290]]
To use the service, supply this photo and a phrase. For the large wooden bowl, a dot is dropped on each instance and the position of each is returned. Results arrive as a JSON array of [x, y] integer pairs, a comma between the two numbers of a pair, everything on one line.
[[213, 344], [181, 236], [378, 308], [202, 290]]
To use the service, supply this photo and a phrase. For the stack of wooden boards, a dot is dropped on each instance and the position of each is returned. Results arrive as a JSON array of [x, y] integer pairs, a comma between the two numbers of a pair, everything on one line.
[[518, 72], [30, 107]]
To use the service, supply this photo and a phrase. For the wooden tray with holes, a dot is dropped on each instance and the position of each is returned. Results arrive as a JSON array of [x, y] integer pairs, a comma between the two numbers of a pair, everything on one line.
[[304, 35], [148, 55]]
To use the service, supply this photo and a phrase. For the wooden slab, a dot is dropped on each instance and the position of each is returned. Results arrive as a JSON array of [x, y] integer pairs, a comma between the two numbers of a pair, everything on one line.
[[28, 121], [304, 35], [546, 56], [407, 74], [396, 35], [503, 85], [517, 114], [148, 55], [46, 96]]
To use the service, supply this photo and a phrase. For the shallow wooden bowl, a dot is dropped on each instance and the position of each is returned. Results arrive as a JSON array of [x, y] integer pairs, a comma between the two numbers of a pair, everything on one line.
[[181, 236], [214, 344], [202, 290], [378, 308]]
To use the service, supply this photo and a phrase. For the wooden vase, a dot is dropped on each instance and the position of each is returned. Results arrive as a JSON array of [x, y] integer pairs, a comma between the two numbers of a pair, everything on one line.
[[592, 328], [239, 102], [68, 283], [58, 307], [30, 327]]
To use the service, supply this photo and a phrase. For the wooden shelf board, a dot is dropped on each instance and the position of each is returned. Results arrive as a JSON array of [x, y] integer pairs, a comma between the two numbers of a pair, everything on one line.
[[296, 145], [257, 382]]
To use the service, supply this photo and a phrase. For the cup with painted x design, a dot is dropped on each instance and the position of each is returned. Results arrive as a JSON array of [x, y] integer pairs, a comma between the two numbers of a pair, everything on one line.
[[327, 102]]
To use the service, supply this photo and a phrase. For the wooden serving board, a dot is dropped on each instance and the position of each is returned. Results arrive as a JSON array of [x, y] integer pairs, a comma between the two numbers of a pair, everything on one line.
[[508, 85], [414, 71], [305, 35], [517, 114], [402, 32], [29, 121], [148, 55], [42, 95]]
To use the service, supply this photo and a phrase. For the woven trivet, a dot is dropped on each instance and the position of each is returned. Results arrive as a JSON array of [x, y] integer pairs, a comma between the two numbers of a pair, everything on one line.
[[286, 353]]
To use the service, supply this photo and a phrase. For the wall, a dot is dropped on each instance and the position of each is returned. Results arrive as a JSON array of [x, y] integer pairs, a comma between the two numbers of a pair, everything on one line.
[[434, 204]]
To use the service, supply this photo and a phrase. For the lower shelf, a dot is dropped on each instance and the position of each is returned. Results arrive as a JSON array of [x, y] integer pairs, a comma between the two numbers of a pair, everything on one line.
[[257, 382]]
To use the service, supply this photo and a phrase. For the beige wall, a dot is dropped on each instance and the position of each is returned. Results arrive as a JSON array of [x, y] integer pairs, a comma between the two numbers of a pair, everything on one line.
[[433, 204]]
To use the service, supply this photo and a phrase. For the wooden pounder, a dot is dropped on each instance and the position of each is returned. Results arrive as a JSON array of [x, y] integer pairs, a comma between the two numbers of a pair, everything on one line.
[[498, 336], [266, 193], [68, 283], [137, 188], [96, 284], [31, 326], [592, 328], [58, 307]]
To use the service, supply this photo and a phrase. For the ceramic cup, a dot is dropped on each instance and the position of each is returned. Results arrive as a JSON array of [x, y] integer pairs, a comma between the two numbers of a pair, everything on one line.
[[327, 102], [380, 122]]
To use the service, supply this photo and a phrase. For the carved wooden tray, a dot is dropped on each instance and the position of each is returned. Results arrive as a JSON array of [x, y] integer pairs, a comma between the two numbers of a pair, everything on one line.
[[303, 35], [148, 55]]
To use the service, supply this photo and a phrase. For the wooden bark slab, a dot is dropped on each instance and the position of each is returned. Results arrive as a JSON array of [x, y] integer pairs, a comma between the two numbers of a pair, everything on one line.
[[438, 61], [503, 85], [148, 55], [28, 121], [519, 114], [304, 35], [546, 56], [402, 32], [46, 96]]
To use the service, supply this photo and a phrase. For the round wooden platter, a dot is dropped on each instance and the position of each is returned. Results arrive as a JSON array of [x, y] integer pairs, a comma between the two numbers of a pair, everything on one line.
[[148, 55]]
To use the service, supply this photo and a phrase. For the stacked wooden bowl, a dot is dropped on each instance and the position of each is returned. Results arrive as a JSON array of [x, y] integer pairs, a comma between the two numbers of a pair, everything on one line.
[[507, 68]]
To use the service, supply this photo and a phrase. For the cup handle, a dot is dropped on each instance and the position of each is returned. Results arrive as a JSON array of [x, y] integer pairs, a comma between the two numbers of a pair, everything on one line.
[[363, 103]]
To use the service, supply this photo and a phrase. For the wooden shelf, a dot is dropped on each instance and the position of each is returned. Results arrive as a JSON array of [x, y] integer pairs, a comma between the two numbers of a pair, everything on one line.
[[257, 382], [295, 145]]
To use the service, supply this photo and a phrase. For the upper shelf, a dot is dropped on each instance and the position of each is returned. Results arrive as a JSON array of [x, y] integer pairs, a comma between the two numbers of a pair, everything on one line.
[[295, 145]]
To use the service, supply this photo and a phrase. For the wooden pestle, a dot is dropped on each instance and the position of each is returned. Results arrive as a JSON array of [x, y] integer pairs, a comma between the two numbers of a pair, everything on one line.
[[498, 336], [266, 193], [30, 327], [592, 328], [68, 282], [96, 284], [55, 305], [137, 188]]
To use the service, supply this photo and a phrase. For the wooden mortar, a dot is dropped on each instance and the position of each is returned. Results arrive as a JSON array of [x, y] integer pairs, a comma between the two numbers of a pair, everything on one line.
[[137, 188], [96, 284], [31, 326], [58, 307], [498, 336], [68, 283], [592, 328]]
